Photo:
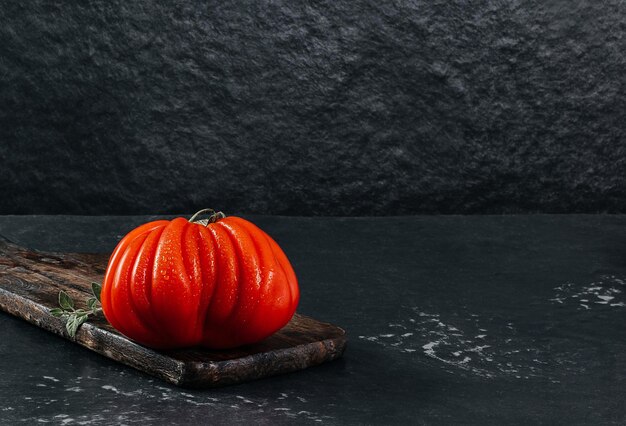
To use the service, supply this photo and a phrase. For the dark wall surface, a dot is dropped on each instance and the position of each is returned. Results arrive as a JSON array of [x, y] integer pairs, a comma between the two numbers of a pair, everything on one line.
[[312, 108]]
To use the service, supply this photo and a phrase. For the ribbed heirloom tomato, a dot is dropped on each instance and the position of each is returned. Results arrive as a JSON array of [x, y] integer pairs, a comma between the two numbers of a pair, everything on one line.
[[218, 283]]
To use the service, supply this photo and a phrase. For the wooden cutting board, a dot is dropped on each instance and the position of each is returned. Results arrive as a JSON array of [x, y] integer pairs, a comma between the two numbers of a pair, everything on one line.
[[30, 282]]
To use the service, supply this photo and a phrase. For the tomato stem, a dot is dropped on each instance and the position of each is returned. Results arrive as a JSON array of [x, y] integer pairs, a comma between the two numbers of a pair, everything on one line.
[[213, 216]]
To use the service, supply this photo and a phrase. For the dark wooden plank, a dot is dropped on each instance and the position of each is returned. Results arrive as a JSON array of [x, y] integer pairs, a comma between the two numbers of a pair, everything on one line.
[[31, 280]]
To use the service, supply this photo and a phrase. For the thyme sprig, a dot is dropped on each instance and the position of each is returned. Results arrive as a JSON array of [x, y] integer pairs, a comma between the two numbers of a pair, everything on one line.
[[76, 317]]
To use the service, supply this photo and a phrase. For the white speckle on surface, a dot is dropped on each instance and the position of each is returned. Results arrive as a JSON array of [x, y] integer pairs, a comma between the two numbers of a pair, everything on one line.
[[115, 390], [194, 402], [428, 347], [503, 342], [41, 385], [54, 379], [387, 335], [606, 289], [463, 342], [74, 389], [478, 348], [397, 325]]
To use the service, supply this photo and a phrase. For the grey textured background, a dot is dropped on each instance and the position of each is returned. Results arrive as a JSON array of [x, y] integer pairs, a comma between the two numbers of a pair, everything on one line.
[[338, 107]]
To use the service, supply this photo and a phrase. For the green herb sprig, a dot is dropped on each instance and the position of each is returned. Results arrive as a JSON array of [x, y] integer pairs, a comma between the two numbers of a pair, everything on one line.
[[76, 317]]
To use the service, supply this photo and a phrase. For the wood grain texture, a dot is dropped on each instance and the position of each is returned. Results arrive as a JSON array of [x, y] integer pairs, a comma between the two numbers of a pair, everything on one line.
[[31, 280]]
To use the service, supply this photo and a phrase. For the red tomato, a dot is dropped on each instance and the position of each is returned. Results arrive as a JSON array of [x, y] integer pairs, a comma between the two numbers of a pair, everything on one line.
[[175, 284]]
